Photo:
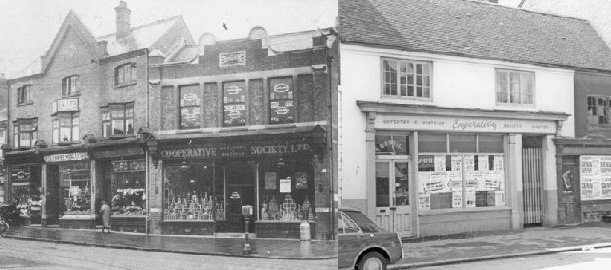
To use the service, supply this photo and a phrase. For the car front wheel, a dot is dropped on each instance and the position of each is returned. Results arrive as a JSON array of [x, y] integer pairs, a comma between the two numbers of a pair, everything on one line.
[[372, 261]]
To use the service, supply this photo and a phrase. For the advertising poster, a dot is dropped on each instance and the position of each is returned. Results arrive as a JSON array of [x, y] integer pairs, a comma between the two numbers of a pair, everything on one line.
[[456, 163], [426, 163], [470, 197], [605, 188], [595, 177], [285, 185], [454, 180], [587, 188], [482, 163], [498, 164], [469, 163], [270, 180], [424, 201], [440, 163], [457, 199], [301, 180], [434, 182]]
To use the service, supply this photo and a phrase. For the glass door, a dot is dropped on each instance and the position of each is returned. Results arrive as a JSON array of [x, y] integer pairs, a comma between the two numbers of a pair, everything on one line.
[[392, 196]]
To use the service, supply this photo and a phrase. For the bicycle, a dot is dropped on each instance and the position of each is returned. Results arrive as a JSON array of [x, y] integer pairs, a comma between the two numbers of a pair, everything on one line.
[[4, 227]]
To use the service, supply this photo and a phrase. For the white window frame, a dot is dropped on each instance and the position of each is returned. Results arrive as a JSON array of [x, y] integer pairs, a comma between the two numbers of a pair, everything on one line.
[[126, 73], [508, 94], [413, 84], [70, 85], [56, 128]]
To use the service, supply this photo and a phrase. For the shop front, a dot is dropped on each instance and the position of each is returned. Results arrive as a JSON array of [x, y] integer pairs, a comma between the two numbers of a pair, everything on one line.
[[207, 181], [435, 171], [23, 183]]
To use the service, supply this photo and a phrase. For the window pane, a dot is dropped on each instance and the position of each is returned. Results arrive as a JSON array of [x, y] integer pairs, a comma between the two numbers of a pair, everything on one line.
[[130, 126], [64, 133], [501, 86], [106, 129], [382, 184], [462, 143], [55, 128], [401, 194], [117, 113], [75, 129], [391, 145], [490, 143], [16, 135], [25, 139], [432, 142], [441, 200], [117, 127]]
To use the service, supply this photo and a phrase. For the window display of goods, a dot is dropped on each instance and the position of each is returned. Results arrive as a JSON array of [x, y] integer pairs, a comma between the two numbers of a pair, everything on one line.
[[194, 207], [288, 210]]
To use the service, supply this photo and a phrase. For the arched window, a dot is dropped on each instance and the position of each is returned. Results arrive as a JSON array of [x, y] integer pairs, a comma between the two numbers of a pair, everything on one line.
[[125, 74]]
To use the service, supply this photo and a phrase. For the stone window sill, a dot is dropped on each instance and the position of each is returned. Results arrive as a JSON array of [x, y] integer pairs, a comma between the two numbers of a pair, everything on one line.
[[125, 84]]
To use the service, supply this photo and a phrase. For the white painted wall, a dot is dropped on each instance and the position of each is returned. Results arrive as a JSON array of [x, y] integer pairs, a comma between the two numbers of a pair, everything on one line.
[[457, 82]]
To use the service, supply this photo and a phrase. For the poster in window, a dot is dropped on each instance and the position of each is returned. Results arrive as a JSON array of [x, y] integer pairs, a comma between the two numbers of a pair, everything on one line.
[[190, 117], [301, 180], [499, 198], [434, 182], [469, 162], [270, 180], [234, 114], [498, 163], [281, 88], [426, 163], [456, 163], [440, 163], [457, 199], [282, 112], [482, 163], [605, 188], [470, 197], [454, 180], [285, 185], [587, 188], [190, 96], [424, 201], [234, 92]]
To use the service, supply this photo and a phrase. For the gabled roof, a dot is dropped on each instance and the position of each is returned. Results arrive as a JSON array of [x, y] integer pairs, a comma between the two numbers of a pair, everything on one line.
[[144, 36], [474, 29]]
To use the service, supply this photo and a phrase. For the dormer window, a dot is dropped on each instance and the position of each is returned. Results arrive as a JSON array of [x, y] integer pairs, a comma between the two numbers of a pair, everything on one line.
[[125, 74], [70, 85], [24, 94]]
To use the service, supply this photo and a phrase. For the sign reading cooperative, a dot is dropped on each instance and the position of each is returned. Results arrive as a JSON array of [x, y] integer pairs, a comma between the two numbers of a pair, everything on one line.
[[222, 151], [440, 123], [66, 157]]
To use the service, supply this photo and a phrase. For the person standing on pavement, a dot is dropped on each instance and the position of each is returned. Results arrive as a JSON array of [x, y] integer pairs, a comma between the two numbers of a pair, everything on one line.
[[105, 212]]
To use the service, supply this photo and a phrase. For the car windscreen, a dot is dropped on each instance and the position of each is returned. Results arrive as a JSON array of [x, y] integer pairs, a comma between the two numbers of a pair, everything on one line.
[[366, 225]]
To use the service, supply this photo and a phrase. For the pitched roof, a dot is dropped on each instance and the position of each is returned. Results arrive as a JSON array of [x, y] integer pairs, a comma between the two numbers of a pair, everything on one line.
[[144, 36], [474, 29], [595, 11]]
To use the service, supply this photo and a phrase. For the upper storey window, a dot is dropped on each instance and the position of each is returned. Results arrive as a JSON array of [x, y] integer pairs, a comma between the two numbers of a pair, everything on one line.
[[125, 74], [118, 119], [514, 86], [406, 78], [69, 85], [26, 132], [599, 110], [24, 94]]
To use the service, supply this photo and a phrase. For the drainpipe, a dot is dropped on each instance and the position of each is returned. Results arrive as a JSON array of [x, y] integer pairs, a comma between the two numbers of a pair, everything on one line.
[[146, 153]]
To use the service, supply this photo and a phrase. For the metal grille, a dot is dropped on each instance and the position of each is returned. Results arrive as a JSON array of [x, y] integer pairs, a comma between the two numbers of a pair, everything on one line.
[[531, 180]]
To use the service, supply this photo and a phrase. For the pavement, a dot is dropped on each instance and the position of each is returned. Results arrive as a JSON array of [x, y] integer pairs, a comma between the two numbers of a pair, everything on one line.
[[227, 246], [498, 245]]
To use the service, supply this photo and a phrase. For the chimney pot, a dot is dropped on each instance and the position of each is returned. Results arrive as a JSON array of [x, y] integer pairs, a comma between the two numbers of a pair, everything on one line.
[[122, 19]]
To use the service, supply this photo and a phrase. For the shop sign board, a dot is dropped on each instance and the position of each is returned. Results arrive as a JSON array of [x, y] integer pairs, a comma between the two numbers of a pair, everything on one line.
[[66, 157], [20, 175], [464, 124], [232, 59], [233, 150], [595, 177]]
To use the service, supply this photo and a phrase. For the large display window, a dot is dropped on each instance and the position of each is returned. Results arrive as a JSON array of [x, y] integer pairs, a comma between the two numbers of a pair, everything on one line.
[[194, 191], [466, 172], [75, 186], [26, 191], [286, 191], [128, 183]]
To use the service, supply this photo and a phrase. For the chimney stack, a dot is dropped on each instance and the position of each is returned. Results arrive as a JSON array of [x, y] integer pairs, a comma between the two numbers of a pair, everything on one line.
[[122, 21]]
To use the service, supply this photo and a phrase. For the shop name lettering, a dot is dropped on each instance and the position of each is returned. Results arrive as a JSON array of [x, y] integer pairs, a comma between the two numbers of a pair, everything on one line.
[[66, 157], [236, 151], [458, 124]]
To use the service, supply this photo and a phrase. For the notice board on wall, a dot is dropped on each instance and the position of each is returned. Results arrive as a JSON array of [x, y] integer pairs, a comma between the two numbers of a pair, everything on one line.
[[595, 177]]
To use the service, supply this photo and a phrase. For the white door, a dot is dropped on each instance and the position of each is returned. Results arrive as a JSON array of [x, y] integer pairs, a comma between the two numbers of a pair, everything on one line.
[[392, 196]]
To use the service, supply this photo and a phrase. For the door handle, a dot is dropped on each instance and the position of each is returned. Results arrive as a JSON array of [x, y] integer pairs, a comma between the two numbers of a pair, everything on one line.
[[383, 211]]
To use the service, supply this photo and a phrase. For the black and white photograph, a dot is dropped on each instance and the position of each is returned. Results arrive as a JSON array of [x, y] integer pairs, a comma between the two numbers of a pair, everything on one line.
[[305, 134]]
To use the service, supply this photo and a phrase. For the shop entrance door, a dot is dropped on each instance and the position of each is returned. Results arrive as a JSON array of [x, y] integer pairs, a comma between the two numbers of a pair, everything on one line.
[[52, 195], [240, 191], [392, 196], [532, 175]]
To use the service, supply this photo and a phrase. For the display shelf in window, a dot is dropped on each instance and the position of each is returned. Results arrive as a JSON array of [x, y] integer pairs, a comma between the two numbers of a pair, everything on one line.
[[128, 188], [75, 181]]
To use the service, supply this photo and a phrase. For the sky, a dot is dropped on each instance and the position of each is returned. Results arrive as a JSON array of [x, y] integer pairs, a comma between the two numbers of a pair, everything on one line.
[[27, 27]]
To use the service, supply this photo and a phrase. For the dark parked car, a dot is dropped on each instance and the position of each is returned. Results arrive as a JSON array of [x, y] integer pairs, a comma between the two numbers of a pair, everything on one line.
[[364, 245]]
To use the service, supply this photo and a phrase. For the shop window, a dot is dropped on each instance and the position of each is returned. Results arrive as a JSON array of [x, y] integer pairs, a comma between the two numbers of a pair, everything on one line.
[[432, 142], [75, 181], [286, 191], [382, 184], [118, 119], [26, 132], [65, 128], [406, 78], [69, 85], [461, 143], [515, 87], [24, 94], [125, 74], [127, 185], [234, 103], [194, 191], [599, 108], [391, 144], [465, 178], [26, 190], [190, 111], [282, 109]]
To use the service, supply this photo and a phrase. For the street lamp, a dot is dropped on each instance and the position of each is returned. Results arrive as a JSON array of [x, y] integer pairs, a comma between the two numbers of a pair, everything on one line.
[[246, 212]]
